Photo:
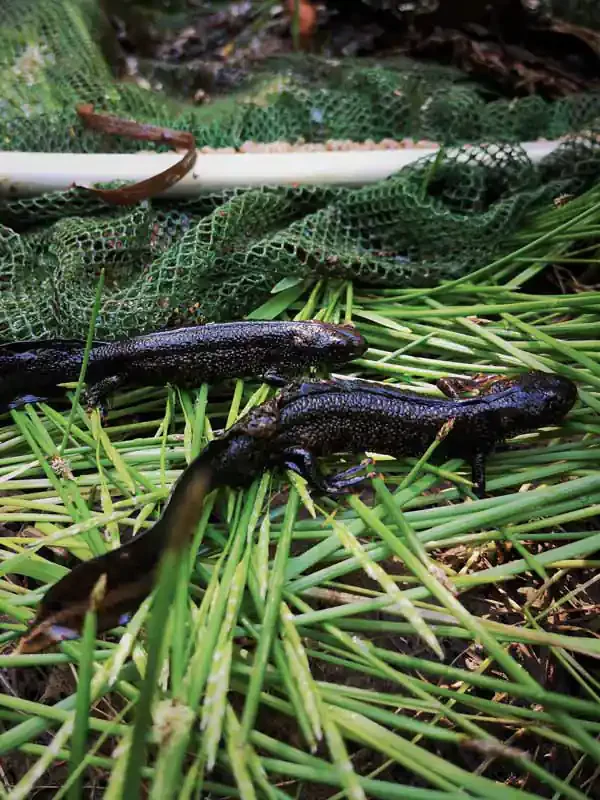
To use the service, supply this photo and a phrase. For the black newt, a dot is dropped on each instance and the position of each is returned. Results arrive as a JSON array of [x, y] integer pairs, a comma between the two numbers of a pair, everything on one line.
[[351, 416], [292, 430], [270, 351]]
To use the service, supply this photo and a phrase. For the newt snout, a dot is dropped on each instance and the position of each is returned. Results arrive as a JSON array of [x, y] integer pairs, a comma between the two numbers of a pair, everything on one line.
[[343, 342], [535, 400]]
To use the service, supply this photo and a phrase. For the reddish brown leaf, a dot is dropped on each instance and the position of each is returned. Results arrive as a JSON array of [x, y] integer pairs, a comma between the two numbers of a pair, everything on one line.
[[157, 184]]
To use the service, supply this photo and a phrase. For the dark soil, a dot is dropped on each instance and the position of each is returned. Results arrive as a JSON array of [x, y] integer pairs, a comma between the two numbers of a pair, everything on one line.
[[514, 47]]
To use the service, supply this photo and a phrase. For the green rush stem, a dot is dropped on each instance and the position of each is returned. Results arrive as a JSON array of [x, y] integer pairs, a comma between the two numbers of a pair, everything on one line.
[[82, 711], [105, 763], [200, 658], [349, 301], [366, 652], [270, 619], [572, 354], [446, 673], [169, 570], [511, 667], [561, 303], [84, 363]]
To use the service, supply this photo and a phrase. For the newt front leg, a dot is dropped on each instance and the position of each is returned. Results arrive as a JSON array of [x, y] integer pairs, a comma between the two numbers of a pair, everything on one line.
[[275, 378], [304, 463], [96, 394], [454, 387]]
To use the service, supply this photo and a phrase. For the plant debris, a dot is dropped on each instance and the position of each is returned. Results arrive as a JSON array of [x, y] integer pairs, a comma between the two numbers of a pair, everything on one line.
[[157, 184]]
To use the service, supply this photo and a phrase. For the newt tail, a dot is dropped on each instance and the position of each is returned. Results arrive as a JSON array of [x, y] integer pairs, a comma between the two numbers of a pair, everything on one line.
[[130, 570]]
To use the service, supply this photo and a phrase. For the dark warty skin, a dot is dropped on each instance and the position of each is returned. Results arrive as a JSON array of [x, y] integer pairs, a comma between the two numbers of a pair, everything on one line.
[[292, 430], [273, 352], [321, 418]]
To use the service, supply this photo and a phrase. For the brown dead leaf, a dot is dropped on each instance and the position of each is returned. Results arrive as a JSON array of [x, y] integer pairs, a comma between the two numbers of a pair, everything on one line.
[[157, 184]]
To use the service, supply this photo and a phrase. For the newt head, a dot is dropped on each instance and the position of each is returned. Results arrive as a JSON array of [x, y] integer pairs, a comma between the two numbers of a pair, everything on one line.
[[335, 344], [534, 400]]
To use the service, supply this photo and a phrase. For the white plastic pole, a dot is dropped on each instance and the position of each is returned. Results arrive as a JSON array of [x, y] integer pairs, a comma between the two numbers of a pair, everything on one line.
[[26, 174]]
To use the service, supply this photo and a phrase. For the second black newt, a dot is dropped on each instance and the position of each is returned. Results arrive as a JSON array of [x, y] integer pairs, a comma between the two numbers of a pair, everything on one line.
[[321, 418], [292, 430]]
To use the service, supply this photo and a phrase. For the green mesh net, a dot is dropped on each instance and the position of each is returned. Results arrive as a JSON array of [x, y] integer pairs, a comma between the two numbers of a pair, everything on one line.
[[223, 252]]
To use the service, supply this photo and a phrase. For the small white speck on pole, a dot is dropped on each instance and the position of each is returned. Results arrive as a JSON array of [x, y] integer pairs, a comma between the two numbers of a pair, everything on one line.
[[29, 174]]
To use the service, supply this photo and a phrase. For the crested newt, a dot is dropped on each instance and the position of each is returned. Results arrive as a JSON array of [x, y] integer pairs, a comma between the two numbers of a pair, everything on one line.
[[292, 430], [271, 351]]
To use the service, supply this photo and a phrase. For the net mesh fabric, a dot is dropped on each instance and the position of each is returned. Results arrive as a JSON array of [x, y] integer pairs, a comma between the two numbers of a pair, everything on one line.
[[223, 252]]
